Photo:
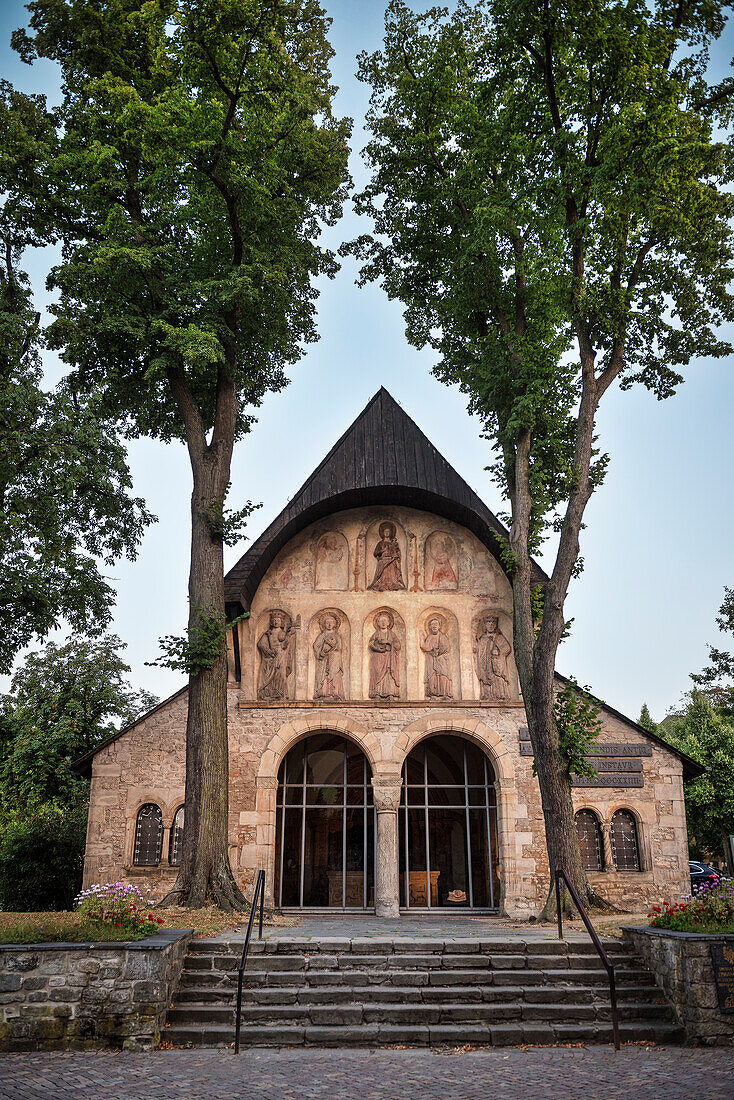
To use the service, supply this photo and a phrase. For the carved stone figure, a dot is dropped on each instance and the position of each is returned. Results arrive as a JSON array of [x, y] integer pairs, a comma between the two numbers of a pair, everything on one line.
[[491, 654], [384, 646], [332, 562], [437, 648], [276, 648], [328, 650], [441, 563], [389, 571]]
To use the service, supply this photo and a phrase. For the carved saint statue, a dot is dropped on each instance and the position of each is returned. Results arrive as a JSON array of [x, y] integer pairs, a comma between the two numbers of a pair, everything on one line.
[[276, 647], [491, 654], [388, 572], [384, 646], [437, 649], [332, 565], [443, 574], [328, 650]]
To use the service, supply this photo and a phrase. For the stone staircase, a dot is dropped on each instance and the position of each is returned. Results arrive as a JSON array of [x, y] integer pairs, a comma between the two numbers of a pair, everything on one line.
[[421, 992]]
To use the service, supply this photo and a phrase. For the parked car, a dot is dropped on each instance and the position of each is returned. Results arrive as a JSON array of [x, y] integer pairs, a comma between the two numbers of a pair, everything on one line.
[[703, 872]]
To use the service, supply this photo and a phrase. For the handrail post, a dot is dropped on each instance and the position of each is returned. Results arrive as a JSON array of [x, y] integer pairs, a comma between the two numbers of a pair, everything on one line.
[[559, 911], [615, 1016], [259, 891]]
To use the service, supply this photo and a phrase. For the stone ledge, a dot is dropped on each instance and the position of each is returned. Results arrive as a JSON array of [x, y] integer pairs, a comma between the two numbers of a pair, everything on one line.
[[163, 939], [716, 937]]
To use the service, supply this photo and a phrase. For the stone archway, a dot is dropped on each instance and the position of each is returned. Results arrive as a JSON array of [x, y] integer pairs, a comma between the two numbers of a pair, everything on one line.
[[289, 734], [509, 840]]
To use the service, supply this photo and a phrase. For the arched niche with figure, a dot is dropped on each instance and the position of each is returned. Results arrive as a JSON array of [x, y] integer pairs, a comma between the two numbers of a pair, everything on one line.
[[438, 641], [386, 552], [384, 673], [329, 652], [331, 570]]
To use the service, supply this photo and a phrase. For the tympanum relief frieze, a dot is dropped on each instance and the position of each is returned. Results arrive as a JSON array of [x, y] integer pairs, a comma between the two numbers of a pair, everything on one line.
[[424, 614]]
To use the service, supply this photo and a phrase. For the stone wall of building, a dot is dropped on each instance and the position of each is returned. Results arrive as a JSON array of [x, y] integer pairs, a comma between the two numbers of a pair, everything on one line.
[[321, 586], [681, 963], [68, 996]]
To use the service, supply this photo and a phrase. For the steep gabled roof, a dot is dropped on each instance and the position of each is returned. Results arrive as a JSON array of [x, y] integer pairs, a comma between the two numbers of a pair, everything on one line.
[[383, 458]]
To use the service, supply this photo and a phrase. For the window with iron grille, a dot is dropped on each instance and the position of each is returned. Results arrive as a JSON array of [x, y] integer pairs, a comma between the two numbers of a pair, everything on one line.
[[590, 842], [148, 836], [625, 846], [176, 839]]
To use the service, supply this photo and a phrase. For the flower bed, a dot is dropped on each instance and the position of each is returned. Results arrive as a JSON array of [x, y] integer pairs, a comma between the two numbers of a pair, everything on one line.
[[709, 910]]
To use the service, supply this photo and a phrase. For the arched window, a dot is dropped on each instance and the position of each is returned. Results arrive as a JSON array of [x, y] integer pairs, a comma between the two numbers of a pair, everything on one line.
[[590, 843], [176, 838], [148, 836], [625, 846]]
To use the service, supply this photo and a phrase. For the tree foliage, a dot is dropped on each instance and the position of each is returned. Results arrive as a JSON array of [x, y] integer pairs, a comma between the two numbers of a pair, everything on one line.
[[65, 504], [707, 736], [64, 701], [551, 204], [717, 679]]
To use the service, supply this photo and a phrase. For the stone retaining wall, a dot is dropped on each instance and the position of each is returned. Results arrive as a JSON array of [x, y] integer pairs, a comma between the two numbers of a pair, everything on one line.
[[681, 963], [68, 996]]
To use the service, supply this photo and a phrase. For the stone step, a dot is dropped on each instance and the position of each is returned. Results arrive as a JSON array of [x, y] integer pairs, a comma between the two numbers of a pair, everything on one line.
[[437, 976], [198, 994], [386, 945], [329, 1015], [370, 1035]]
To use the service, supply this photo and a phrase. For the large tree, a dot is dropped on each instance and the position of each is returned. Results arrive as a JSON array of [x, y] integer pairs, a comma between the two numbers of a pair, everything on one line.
[[549, 199], [65, 506], [199, 160], [707, 735], [63, 702]]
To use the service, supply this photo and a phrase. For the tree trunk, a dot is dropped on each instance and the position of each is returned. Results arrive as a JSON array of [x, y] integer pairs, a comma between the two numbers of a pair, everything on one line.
[[205, 873]]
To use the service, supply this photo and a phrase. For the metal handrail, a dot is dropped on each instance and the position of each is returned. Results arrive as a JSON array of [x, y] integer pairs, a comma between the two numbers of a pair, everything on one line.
[[609, 965], [259, 890]]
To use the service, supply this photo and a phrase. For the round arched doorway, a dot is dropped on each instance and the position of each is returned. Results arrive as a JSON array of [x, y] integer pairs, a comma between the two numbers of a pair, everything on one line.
[[325, 826], [448, 827]]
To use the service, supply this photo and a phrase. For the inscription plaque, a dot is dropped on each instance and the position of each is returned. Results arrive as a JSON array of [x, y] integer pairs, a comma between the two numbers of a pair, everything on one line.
[[608, 780], [604, 764], [598, 750], [722, 961]]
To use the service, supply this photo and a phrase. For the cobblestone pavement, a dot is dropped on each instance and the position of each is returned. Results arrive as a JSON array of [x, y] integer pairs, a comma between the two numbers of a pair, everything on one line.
[[555, 1073]]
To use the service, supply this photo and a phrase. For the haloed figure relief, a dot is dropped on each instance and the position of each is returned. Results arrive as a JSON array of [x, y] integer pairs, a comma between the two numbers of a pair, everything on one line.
[[276, 648], [491, 654], [328, 650], [437, 648], [384, 646], [389, 571]]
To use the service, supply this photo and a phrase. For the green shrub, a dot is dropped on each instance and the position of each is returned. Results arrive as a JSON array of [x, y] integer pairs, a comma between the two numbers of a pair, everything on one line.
[[41, 859]]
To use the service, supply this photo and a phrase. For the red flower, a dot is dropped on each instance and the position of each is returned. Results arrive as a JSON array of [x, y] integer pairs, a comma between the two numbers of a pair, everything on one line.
[[160, 920]]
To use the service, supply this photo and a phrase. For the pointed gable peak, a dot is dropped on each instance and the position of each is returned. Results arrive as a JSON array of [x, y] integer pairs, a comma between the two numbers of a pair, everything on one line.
[[382, 458]]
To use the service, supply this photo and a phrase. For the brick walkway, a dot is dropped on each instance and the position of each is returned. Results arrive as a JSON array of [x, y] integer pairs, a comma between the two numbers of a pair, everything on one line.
[[558, 1073]]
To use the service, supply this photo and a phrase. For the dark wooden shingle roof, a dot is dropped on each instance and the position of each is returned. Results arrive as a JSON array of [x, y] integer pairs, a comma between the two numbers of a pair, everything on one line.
[[383, 458]]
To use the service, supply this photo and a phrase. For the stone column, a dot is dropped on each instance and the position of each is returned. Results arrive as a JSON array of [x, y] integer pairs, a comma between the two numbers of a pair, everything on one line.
[[387, 886], [606, 839]]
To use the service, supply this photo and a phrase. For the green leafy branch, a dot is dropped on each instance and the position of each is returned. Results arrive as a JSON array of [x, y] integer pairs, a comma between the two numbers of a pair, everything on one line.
[[200, 647]]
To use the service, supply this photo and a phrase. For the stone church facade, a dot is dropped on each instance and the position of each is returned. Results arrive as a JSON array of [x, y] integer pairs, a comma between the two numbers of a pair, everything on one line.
[[379, 755]]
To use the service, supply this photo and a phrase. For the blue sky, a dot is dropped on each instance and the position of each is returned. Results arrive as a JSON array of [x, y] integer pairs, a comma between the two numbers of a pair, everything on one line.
[[658, 545]]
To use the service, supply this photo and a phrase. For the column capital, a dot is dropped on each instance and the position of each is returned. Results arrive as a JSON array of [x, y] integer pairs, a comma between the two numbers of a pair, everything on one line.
[[387, 793]]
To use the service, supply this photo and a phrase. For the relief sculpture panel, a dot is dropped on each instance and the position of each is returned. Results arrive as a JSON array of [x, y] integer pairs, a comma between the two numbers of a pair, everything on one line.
[[276, 647], [386, 658], [331, 656], [332, 563], [492, 658], [388, 553], [438, 676], [441, 563]]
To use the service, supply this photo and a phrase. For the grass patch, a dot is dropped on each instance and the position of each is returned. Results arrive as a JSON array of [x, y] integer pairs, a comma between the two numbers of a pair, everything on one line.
[[67, 927], [59, 928]]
